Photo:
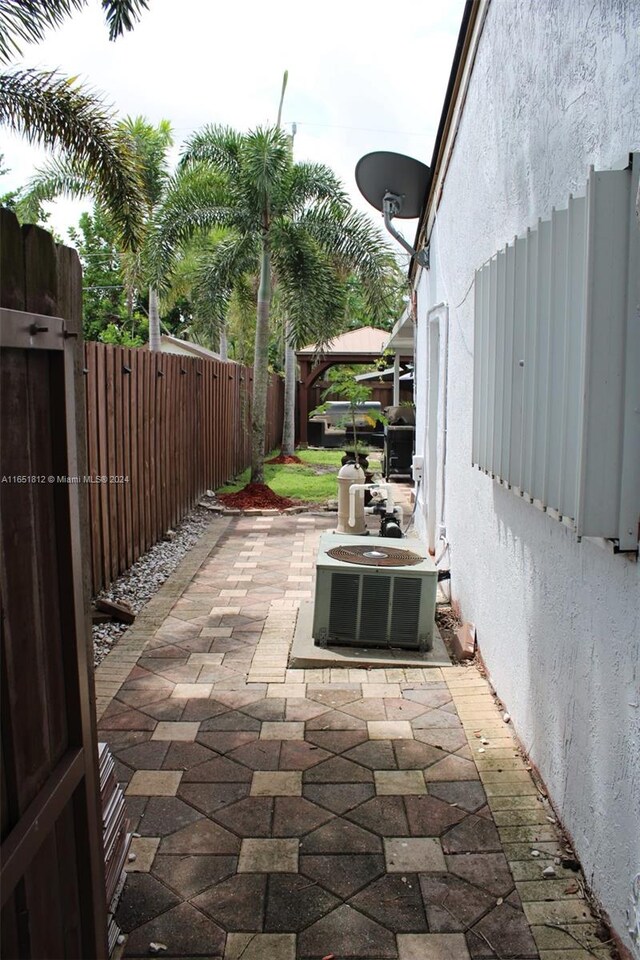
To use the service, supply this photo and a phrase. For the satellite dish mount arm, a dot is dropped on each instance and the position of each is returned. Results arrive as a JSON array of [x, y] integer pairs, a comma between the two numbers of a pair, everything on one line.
[[391, 207]]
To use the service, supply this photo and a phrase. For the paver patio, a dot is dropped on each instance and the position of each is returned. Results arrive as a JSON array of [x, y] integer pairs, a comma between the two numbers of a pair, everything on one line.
[[354, 813]]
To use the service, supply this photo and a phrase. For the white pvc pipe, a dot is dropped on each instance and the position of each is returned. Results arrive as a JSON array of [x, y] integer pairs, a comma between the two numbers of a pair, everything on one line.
[[432, 429], [438, 332], [396, 380], [356, 487]]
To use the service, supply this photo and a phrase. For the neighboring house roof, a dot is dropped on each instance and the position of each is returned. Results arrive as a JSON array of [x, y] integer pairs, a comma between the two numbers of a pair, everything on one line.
[[384, 375], [363, 340], [401, 339], [170, 344]]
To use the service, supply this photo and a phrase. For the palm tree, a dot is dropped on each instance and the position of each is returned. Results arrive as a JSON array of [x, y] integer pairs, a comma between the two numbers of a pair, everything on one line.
[[185, 285], [56, 112], [148, 147], [288, 441], [288, 222]]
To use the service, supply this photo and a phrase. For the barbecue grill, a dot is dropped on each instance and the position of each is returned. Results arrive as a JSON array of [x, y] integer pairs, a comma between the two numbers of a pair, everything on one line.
[[398, 451]]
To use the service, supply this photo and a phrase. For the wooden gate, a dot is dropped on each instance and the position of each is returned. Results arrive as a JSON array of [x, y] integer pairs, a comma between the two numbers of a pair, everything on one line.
[[52, 879]]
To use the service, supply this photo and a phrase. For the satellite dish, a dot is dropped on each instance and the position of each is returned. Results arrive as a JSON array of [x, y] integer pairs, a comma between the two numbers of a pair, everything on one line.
[[382, 173], [397, 186]]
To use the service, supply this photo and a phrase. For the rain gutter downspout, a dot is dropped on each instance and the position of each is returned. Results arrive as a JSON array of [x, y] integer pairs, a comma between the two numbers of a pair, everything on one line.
[[438, 319]]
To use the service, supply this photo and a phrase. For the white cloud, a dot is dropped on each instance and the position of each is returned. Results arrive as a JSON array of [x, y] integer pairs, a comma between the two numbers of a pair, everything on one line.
[[362, 76]]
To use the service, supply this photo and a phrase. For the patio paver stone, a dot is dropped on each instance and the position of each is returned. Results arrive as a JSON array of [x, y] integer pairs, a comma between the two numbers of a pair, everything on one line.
[[154, 783], [268, 856], [296, 814], [413, 854]]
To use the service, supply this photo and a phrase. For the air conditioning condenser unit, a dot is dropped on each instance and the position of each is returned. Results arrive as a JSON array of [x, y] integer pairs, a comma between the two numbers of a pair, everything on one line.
[[372, 594]]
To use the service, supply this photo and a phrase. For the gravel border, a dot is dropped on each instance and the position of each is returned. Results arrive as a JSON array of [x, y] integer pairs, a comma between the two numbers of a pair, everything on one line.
[[142, 580]]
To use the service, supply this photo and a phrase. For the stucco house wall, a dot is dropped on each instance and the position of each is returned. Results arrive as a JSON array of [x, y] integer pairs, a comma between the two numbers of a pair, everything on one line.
[[555, 87]]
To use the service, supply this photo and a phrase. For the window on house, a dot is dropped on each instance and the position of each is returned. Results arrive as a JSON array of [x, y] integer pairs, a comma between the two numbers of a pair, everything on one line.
[[556, 406]]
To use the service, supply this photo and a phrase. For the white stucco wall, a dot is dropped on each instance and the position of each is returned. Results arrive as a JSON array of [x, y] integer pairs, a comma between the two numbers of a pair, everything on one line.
[[555, 87]]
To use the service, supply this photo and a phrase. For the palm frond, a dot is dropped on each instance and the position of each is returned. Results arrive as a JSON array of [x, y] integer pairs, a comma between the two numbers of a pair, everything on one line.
[[60, 175], [219, 273], [312, 294], [185, 266], [241, 318], [122, 15], [27, 21], [216, 145], [149, 145], [356, 245], [312, 182], [56, 112], [264, 163], [195, 200]]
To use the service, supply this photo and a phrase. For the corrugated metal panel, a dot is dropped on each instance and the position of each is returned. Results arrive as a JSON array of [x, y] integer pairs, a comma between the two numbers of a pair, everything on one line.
[[605, 334], [557, 345]]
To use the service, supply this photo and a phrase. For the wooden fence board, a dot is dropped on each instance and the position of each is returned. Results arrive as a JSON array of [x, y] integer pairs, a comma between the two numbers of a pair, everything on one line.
[[22, 666], [110, 466], [175, 426], [52, 871], [136, 458], [92, 459], [118, 466], [151, 401], [68, 885], [96, 470], [45, 908], [44, 559], [127, 413]]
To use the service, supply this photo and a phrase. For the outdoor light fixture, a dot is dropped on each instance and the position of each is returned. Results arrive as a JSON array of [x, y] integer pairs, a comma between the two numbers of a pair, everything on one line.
[[397, 186]]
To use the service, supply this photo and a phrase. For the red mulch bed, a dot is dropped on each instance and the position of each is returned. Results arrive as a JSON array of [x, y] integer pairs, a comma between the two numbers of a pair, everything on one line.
[[256, 496], [282, 458]]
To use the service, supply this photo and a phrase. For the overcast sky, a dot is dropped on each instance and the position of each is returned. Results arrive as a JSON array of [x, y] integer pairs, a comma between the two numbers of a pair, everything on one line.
[[363, 76]]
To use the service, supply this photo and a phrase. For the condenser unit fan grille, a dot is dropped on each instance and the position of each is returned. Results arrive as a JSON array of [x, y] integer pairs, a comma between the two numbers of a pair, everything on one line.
[[343, 616], [374, 611], [375, 556]]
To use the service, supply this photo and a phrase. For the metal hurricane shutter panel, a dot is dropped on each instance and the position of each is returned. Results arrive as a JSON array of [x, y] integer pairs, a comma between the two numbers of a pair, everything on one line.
[[556, 341]]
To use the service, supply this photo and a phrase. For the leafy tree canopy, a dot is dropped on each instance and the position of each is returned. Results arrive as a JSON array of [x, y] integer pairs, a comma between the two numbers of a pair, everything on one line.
[[114, 310]]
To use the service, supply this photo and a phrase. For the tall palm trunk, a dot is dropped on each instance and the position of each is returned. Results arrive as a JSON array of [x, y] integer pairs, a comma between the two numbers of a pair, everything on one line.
[[288, 424], [261, 368], [154, 320]]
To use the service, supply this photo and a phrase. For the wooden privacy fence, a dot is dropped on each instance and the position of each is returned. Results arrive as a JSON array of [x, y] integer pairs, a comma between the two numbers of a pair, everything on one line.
[[52, 889], [161, 429]]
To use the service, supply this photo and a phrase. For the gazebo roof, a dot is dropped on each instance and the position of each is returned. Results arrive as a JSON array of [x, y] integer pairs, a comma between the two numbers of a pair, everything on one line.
[[367, 340]]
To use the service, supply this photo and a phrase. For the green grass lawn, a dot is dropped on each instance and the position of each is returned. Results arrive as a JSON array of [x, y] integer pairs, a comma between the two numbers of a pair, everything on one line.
[[324, 458], [298, 481], [333, 457]]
